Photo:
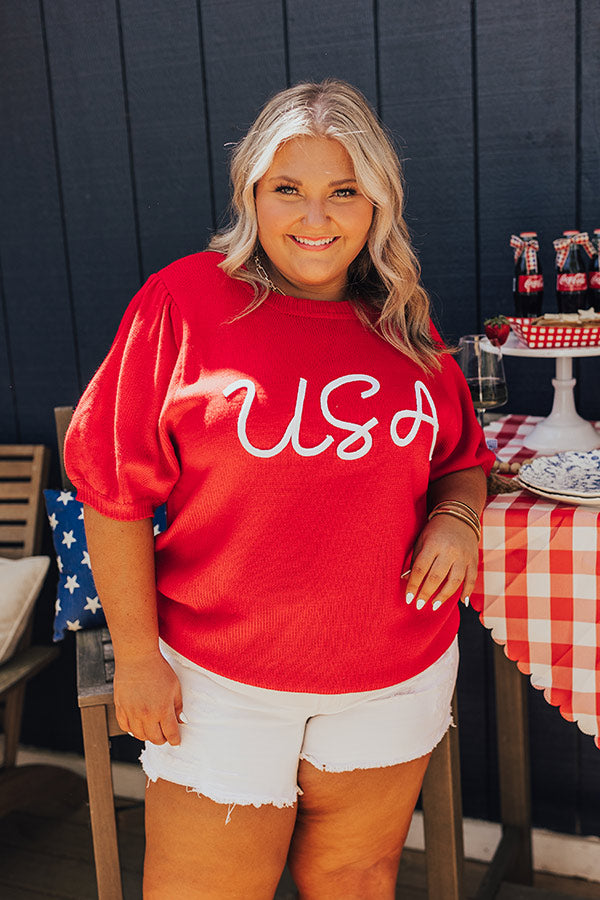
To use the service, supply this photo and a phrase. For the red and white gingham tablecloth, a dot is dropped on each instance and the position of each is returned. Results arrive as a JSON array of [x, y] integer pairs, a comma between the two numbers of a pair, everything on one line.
[[538, 588]]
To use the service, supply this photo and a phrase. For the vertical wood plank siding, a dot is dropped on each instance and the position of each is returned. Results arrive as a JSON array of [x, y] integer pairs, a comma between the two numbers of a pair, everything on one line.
[[245, 46], [117, 122], [166, 109], [426, 101], [526, 110], [334, 39], [588, 110], [38, 324], [94, 150]]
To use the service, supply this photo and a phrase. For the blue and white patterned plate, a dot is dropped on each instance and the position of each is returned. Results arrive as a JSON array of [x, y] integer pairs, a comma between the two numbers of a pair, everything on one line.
[[561, 498], [574, 474]]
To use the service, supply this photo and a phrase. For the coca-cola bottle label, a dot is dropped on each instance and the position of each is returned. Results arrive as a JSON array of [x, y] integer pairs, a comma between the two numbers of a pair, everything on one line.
[[595, 281], [530, 284], [571, 281]]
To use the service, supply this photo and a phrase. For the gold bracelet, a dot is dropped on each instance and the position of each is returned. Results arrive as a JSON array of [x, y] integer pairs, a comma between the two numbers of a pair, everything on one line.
[[464, 519], [458, 511], [462, 507], [448, 512], [466, 506]]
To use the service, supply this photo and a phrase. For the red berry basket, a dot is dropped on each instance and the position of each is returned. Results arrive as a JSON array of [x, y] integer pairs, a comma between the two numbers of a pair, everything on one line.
[[555, 337]]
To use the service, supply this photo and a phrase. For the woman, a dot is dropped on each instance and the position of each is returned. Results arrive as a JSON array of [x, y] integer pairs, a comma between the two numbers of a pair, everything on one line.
[[289, 652]]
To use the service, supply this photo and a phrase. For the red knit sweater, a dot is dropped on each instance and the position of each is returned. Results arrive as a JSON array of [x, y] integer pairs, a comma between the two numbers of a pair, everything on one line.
[[294, 449]]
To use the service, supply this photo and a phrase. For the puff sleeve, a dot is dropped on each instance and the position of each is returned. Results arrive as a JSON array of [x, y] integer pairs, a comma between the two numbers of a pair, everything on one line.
[[118, 452]]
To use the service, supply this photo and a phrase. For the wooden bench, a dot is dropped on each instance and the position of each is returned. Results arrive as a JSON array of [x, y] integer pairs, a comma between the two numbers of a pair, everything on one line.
[[23, 475]]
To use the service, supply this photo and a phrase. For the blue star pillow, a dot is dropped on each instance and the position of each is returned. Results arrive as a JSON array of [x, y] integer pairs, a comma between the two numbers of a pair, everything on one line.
[[77, 603]]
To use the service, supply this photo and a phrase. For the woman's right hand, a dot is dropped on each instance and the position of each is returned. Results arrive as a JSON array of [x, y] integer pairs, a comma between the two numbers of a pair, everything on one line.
[[148, 699], [147, 691]]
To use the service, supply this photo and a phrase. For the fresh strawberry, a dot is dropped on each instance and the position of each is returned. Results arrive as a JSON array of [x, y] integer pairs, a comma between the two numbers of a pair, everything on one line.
[[497, 330]]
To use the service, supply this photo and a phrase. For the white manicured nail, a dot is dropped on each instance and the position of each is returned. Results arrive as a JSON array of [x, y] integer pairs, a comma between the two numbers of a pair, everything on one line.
[[130, 733], [404, 574], [466, 601], [436, 604], [183, 718], [420, 603], [410, 597]]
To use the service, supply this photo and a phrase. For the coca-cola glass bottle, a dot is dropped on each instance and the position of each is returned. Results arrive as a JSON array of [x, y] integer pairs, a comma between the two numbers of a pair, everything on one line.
[[595, 272], [571, 278], [528, 281]]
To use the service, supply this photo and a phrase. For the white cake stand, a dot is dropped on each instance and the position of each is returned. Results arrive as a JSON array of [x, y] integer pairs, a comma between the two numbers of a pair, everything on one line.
[[564, 428]]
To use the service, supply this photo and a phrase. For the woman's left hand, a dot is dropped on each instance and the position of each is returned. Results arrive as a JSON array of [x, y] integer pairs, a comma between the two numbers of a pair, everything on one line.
[[445, 556]]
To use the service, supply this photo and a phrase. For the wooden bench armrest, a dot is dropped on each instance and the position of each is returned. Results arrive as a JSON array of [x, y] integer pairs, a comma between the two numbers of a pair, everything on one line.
[[95, 673], [95, 666], [25, 665]]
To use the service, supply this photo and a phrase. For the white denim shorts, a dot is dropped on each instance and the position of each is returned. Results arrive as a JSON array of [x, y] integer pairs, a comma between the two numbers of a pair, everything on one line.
[[242, 744]]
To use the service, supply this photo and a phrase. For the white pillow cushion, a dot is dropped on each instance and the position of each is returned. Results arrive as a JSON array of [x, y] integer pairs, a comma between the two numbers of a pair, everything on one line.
[[20, 583]]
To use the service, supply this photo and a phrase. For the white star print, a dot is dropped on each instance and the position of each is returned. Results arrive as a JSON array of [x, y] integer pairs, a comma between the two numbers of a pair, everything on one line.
[[86, 559], [57, 606], [72, 583], [93, 604], [59, 563], [68, 539], [53, 521], [80, 516], [156, 530], [74, 626], [65, 497]]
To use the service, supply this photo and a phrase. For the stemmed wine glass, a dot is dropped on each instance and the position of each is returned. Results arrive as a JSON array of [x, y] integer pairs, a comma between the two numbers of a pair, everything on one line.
[[483, 369]]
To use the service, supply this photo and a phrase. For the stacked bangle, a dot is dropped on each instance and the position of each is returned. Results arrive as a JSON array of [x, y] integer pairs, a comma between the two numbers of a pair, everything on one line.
[[459, 510]]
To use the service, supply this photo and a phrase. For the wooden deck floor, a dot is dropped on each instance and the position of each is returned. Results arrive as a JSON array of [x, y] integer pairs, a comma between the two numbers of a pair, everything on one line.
[[48, 854]]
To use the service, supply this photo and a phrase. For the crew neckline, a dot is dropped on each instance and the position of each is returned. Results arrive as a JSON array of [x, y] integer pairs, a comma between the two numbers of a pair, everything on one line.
[[317, 309]]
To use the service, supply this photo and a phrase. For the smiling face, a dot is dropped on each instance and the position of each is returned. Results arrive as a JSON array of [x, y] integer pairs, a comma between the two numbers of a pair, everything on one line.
[[312, 218]]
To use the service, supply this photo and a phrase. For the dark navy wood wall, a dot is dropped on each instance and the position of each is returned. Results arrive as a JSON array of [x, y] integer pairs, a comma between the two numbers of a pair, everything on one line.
[[117, 119]]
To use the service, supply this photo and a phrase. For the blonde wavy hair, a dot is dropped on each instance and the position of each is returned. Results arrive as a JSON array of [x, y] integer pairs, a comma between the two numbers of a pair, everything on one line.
[[385, 274]]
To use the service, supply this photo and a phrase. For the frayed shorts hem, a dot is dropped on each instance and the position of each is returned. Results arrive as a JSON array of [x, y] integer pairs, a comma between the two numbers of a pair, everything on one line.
[[352, 766], [222, 797], [228, 799]]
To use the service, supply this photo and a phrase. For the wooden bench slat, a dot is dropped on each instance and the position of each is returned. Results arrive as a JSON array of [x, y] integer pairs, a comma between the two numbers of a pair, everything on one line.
[[10, 451], [10, 552], [14, 468], [17, 490], [15, 512], [12, 534], [23, 474]]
